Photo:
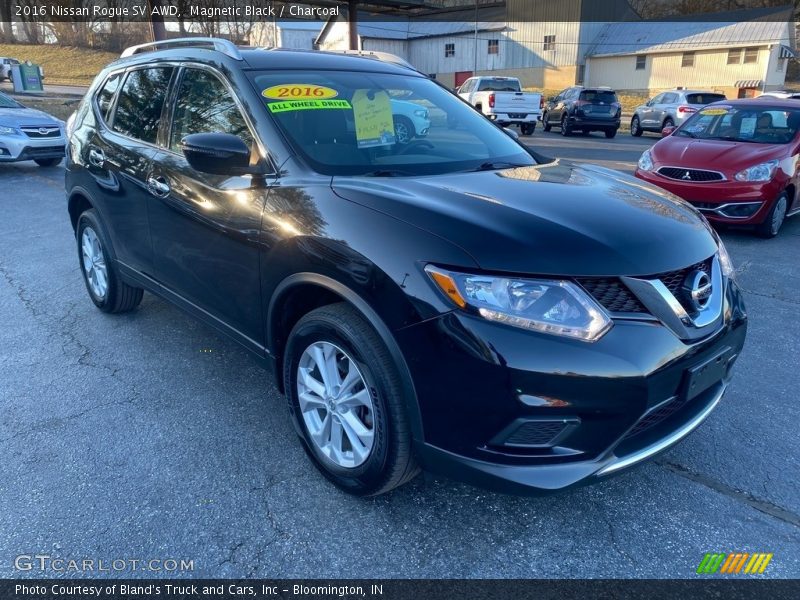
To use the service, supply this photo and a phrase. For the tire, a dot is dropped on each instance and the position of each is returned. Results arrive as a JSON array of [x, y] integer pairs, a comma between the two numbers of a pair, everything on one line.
[[403, 130], [546, 122], [566, 130], [610, 133], [775, 218], [528, 129], [636, 127], [343, 332], [116, 296], [668, 122], [47, 162]]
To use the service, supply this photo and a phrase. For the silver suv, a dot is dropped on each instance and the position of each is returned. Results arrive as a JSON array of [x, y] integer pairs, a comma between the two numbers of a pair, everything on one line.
[[670, 109]]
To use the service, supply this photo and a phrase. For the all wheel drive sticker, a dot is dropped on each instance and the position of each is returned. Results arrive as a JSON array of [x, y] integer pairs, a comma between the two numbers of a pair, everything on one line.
[[372, 109]]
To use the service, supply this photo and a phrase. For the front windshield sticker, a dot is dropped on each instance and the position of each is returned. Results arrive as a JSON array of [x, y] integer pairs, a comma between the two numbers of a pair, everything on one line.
[[714, 111], [277, 107], [372, 111], [299, 90], [748, 127]]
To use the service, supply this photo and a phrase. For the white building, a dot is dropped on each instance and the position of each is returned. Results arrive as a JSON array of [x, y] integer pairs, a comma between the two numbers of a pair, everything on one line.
[[297, 35]]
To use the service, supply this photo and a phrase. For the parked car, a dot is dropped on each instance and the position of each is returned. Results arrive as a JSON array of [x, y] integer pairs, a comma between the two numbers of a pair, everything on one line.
[[6, 65], [457, 303], [411, 120], [502, 100], [584, 109], [670, 109], [735, 161], [781, 94], [29, 134]]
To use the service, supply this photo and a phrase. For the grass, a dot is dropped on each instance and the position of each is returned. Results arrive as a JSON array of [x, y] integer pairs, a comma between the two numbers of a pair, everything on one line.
[[62, 65], [58, 107]]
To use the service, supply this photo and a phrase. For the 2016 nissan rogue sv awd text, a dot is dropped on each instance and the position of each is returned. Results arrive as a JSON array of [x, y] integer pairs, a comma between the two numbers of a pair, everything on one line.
[[456, 303]]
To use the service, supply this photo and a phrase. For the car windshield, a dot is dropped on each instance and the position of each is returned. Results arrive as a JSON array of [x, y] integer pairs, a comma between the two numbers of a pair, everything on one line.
[[6, 102], [758, 125], [701, 98], [598, 96], [499, 85], [361, 123]]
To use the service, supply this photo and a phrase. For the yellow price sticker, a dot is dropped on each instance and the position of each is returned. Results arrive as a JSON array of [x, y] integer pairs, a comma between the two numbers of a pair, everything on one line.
[[714, 112], [299, 91]]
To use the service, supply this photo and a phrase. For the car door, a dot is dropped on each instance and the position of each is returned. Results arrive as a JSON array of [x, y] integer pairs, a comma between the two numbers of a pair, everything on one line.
[[664, 109], [648, 118], [558, 106], [206, 227], [118, 156]]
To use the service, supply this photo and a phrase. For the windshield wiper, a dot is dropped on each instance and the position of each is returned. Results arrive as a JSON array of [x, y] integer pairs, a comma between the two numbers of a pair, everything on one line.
[[498, 164], [388, 173], [687, 134]]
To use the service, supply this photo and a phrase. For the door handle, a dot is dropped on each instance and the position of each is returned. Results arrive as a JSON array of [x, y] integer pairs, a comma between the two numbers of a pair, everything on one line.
[[158, 186], [96, 157]]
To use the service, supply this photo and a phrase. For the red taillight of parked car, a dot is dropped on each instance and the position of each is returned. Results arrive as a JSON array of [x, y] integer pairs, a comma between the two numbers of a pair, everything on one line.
[[491, 100], [541, 103], [685, 110]]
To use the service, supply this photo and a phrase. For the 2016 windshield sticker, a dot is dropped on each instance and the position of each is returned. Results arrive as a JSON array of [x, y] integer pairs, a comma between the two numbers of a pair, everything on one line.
[[276, 107], [714, 112], [297, 91], [373, 116]]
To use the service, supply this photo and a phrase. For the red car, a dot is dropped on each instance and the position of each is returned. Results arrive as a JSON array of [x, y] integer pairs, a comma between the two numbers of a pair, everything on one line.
[[736, 161]]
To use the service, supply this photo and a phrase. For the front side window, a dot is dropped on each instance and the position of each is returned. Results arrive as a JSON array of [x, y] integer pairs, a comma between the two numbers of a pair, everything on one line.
[[759, 125], [204, 105], [140, 101], [106, 95], [378, 124]]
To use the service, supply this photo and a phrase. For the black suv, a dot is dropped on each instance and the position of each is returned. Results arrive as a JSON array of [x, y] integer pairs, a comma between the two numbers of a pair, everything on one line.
[[583, 109], [457, 303]]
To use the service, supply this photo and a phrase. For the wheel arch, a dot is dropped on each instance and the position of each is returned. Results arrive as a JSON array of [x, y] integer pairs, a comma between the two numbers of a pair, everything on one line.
[[78, 202], [298, 294]]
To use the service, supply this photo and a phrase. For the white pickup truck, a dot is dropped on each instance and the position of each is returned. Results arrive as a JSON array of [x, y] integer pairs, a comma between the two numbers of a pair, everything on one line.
[[502, 100]]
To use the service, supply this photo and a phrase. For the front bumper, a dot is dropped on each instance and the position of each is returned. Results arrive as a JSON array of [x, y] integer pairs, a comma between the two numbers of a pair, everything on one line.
[[477, 381], [731, 202], [15, 148]]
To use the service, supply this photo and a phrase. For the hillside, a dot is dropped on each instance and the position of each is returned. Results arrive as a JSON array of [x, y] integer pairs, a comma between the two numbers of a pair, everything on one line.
[[69, 66]]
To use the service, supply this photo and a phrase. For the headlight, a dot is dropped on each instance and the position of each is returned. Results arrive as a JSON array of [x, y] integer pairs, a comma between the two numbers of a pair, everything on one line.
[[421, 113], [548, 306], [7, 130], [646, 161], [762, 172], [725, 262]]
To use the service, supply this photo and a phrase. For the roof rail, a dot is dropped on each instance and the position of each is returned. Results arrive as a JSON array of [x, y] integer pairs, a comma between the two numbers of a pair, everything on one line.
[[384, 56], [219, 44]]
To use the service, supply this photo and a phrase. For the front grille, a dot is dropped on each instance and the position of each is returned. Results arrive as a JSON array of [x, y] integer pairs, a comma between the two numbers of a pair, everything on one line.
[[657, 415], [674, 282], [46, 132], [695, 175], [535, 433], [612, 294]]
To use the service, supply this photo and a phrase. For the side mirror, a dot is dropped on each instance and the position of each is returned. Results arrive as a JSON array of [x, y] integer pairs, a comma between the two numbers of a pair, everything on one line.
[[667, 131], [649, 102], [551, 99], [511, 133], [217, 153]]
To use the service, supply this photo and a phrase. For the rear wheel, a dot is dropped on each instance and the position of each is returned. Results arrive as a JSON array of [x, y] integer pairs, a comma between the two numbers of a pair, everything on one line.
[[546, 122], [345, 395], [47, 162], [528, 128], [565, 128], [610, 133], [103, 282], [775, 218], [668, 122], [636, 127]]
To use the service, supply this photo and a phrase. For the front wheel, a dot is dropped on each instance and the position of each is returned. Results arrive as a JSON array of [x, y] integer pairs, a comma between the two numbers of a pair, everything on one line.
[[47, 162], [345, 395], [636, 127], [403, 130], [546, 122], [775, 218], [528, 128]]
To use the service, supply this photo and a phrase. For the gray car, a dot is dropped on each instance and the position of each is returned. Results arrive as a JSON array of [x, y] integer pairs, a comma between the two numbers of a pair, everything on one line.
[[29, 134], [670, 109]]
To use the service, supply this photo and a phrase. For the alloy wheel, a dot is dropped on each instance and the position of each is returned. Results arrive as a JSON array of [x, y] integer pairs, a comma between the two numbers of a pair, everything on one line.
[[778, 215], [336, 405], [401, 132], [94, 263]]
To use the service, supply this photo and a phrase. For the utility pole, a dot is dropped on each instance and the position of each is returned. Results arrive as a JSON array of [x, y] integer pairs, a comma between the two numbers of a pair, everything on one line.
[[475, 70], [352, 16], [157, 29]]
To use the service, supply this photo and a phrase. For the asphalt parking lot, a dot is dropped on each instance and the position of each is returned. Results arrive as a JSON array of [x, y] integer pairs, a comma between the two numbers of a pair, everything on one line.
[[149, 436]]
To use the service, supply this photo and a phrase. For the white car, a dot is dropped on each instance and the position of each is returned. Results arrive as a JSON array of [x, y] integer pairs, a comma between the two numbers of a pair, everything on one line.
[[782, 94], [28, 134], [411, 120], [6, 64]]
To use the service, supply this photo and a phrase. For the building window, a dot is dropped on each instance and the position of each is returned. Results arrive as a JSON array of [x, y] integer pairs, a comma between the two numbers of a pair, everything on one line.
[[641, 62], [688, 59], [549, 42], [734, 56], [494, 46], [750, 55], [449, 50]]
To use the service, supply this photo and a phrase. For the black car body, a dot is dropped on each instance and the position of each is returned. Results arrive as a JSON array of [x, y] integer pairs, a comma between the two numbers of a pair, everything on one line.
[[584, 109], [397, 272]]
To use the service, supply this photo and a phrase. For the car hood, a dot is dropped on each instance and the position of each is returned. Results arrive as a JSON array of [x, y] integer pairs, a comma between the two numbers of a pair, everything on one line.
[[716, 155], [14, 117], [553, 219]]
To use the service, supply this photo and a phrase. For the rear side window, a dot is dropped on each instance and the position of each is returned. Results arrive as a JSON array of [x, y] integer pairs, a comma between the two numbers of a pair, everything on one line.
[[204, 105], [498, 85], [140, 102], [106, 95], [704, 98], [598, 96]]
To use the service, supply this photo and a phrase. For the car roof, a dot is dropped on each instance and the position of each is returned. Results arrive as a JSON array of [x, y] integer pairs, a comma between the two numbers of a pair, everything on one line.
[[759, 102]]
